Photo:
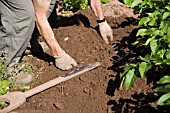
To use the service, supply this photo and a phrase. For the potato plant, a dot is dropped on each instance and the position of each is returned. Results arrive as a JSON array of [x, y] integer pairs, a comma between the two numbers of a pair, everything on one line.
[[155, 27]]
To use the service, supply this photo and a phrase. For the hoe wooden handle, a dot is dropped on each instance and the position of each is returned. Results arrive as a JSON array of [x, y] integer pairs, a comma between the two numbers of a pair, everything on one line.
[[61, 79]]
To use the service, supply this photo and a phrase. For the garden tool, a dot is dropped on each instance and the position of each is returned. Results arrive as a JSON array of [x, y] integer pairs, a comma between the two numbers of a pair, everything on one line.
[[15, 99]]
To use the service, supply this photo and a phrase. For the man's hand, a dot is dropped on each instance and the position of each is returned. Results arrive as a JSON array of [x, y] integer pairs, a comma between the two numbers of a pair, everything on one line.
[[64, 62], [105, 31]]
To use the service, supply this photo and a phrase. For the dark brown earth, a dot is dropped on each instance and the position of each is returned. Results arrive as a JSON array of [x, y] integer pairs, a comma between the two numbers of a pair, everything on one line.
[[95, 91]]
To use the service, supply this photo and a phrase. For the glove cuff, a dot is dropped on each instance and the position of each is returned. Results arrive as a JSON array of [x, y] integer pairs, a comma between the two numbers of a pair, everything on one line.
[[100, 21], [56, 57]]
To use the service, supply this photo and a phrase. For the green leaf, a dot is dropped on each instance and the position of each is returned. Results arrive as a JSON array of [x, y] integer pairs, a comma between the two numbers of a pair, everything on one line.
[[168, 7], [141, 32], [144, 21], [167, 86], [164, 99], [24, 87], [5, 84], [152, 22], [2, 105], [122, 82], [122, 74], [126, 69], [155, 14], [130, 79], [129, 66], [128, 2], [136, 3], [167, 54], [167, 61], [1, 91], [136, 42], [133, 65], [144, 3], [105, 1], [162, 89], [165, 15], [149, 40], [154, 46], [161, 53], [146, 58], [164, 26], [142, 68], [164, 80], [152, 31]]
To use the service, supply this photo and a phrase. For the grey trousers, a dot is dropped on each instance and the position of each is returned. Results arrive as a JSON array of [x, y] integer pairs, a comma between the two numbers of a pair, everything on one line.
[[16, 27], [52, 4]]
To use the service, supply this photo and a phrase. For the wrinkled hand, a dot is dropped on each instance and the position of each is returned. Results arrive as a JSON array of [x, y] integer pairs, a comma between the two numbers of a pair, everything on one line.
[[64, 62], [105, 31]]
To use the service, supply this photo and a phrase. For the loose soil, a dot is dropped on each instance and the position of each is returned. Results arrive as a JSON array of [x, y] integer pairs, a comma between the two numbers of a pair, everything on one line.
[[95, 91]]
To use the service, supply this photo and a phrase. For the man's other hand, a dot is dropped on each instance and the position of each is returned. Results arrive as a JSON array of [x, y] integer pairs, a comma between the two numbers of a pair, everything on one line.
[[105, 31]]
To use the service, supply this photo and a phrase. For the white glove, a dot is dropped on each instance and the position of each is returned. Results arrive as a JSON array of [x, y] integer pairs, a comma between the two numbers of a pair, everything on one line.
[[105, 31], [64, 62]]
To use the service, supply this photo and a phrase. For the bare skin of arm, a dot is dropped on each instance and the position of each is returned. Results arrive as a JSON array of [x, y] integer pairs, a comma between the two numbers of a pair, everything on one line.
[[96, 6], [41, 8], [104, 28], [62, 60]]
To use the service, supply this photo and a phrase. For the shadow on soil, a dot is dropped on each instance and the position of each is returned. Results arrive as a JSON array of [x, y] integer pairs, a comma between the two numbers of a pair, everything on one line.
[[139, 103]]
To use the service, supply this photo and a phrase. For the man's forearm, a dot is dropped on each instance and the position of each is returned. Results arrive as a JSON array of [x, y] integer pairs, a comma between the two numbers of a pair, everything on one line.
[[41, 8], [48, 36], [96, 6], [104, 28]]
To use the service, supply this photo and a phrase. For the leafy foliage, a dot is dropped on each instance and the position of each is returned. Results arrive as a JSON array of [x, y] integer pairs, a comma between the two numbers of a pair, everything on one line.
[[156, 29], [4, 84], [74, 5]]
